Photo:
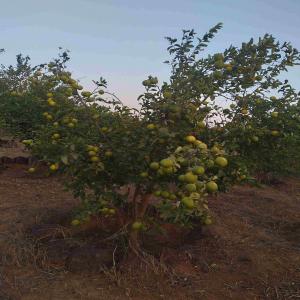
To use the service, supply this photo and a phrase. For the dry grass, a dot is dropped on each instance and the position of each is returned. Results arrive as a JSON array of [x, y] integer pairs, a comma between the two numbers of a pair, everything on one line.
[[251, 252]]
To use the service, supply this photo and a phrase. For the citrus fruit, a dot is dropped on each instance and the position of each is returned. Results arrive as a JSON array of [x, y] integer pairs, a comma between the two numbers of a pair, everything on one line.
[[275, 132], [157, 193], [154, 166], [190, 139], [111, 211], [181, 177], [94, 158], [108, 153], [191, 187], [221, 161], [53, 167], [201, 124], [188, 202], [190, 177], [51, 102], [165, 194], [198, 170], [137, 225], [207, 221], [150, 126], [211, 186], [86, 94], [75, 222], [166, 163]]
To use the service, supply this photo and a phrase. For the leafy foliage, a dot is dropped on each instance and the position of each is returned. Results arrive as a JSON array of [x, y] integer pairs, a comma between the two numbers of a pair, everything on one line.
[[219, 120]]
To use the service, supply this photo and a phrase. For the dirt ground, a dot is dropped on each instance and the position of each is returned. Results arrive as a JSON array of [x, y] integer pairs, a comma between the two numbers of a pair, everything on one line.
[[252, 251], [11, 148]]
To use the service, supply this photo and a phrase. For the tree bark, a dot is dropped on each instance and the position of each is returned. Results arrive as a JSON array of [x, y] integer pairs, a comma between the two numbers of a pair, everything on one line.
[[133, 241], [139, 212]]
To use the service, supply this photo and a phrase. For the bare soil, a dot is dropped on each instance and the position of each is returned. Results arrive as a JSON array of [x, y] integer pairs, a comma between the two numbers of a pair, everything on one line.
[[252, 251], [11, 148]]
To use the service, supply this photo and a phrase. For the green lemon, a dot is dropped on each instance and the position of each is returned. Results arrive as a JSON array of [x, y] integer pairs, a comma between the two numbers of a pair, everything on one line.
[[221, 161], [201, 124], [144, 174], [275, 132], [150, 126], [190, 177], [154, 165], [191, 187], [94, 158], [137, 225], [181, 177], [166, 163], [188, 202], [198, 170], [75, 222], [165, 194], [190, 139], [31, 170], [211, 186], [157, 193]]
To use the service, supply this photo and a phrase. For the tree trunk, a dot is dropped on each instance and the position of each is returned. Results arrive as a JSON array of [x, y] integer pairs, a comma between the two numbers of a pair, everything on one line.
[[138, 213], [133, 241]]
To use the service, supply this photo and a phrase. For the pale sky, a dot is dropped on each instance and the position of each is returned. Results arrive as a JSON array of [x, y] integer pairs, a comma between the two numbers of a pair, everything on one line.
[[123, 41]]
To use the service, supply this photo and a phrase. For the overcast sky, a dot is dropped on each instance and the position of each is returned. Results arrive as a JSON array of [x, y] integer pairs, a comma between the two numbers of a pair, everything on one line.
[[123, 40]]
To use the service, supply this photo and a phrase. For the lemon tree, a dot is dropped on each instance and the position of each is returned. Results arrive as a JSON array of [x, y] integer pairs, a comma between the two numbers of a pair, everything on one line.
[[104, 148], [22, 91], [242, 96], [157, 164]]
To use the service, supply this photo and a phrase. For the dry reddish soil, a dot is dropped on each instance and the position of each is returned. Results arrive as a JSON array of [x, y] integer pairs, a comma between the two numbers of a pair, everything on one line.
[[11, 148], [252, 251]]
